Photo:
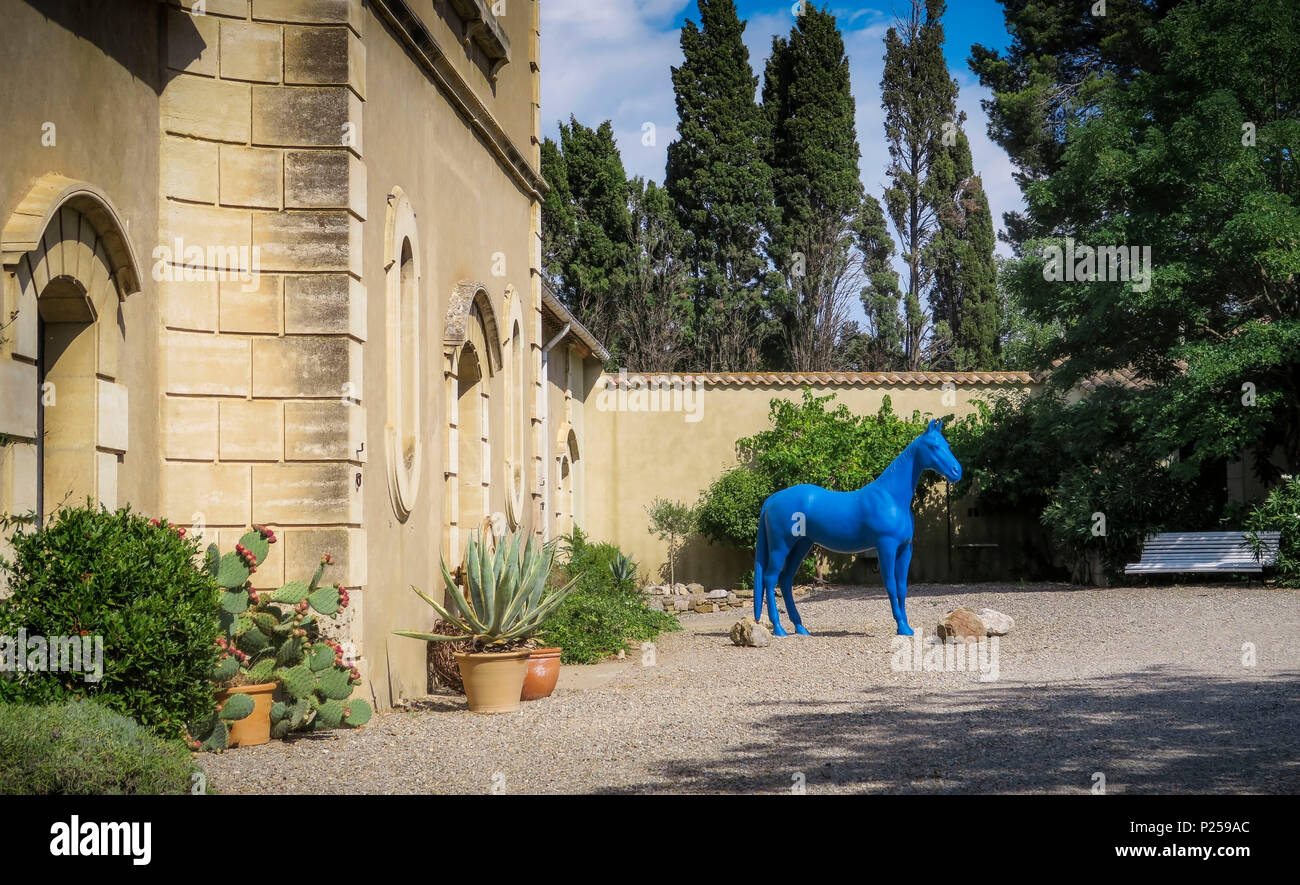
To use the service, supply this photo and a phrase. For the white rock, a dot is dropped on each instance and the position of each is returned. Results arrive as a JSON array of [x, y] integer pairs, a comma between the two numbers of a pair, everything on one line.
[[995, 622], [716, 594]]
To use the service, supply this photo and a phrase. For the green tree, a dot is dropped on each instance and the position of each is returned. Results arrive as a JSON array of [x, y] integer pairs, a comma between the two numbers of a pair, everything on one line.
[[722, 187], [817, 188], [674, 522], [586, 226], [1053, 75], [964, 301], [654, 311], [1190, 161], [919, 97]]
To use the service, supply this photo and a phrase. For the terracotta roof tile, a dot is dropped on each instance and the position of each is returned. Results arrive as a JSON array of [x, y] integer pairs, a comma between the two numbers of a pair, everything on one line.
[[841, 379]]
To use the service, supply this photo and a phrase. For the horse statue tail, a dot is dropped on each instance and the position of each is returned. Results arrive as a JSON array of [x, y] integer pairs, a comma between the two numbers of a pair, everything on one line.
[[760, 556]]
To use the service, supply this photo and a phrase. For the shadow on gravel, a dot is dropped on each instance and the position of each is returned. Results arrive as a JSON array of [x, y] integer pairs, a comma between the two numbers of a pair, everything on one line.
[[1152, 731]]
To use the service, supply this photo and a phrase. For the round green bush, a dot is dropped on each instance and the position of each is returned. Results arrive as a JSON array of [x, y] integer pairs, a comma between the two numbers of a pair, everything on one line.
[[137, 584], [82, 748]]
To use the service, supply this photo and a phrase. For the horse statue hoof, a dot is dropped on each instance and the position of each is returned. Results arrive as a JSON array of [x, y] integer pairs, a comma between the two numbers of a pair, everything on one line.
[[904, 630], [802, 630], [778, 630]]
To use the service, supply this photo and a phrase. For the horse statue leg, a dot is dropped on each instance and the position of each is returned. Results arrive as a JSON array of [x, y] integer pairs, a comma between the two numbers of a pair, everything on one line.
[[792, 564], [904, 563], [760, 560], [887, 551]]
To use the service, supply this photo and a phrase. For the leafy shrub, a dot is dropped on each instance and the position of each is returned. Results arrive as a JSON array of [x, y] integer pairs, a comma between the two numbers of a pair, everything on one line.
[[132, 581], [835, 449], [83, 748], [729, 508], [1280, 512], [601, 614]]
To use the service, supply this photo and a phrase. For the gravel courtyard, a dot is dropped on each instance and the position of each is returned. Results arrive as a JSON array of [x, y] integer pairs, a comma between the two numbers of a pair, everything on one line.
[[1146, 685]]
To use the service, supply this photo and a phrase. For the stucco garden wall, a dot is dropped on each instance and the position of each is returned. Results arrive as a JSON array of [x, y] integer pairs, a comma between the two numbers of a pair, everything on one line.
[[636, 455]]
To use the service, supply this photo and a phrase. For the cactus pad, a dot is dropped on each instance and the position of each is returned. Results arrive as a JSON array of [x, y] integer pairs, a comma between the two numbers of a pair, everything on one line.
[[333, 683], [325, 600], [232, 572], [321, 657], [226, 669], [298, 681], [262, 671], [257, 545], [291, 593], [330, 715], [234, 601], [358, 713], [236, 707]]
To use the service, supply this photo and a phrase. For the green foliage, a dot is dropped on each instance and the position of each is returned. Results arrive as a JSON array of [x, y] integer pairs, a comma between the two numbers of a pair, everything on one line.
[[835, 449], [721, 184], [919, 97], [674, 522], [586, 225], [601, 615], [1280, 512], [132, 581], [1177, 123], [83, 748], [275, 637], [728, 509], [818, 192], [505, 599]]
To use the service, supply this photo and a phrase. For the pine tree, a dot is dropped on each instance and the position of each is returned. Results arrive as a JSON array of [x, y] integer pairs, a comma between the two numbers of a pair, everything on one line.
[[817, 189], [586, 226], [964, 301], [655, 309], [722, 187], [883, 348], [919, 97]]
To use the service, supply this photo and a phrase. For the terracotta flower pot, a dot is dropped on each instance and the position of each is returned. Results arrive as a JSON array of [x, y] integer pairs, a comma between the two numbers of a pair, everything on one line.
[[493, 680], [543, 671], [255, 728]]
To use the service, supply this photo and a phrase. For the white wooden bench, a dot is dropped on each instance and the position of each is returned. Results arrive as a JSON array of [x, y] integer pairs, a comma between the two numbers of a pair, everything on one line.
[[1225, 552]]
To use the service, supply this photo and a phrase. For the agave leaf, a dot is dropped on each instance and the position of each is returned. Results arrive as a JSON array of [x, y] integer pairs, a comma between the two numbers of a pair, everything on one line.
[[509, 578], [429, 637], [474, 578], [442, 612], [487, 580]]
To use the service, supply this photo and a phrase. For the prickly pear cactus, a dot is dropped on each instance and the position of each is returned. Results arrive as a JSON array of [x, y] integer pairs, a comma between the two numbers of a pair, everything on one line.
[[275, 636]]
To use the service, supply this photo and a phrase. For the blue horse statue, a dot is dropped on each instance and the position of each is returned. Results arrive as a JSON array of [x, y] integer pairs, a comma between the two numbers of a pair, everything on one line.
[[877, 515]]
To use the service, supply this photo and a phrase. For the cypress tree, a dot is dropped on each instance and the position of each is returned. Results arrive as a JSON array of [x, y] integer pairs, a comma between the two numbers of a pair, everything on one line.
[[722, 187], [919, 97], [817, 190]]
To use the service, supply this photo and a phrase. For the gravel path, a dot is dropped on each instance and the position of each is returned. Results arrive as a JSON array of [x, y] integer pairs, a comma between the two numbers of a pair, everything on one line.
[[1146, 685]]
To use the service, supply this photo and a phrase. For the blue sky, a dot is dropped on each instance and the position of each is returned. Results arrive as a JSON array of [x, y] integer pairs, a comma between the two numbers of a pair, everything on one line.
[[610, 60]]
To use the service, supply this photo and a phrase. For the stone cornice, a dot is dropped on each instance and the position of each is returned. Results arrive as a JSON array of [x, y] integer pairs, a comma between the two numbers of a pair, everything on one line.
[[411, 31]]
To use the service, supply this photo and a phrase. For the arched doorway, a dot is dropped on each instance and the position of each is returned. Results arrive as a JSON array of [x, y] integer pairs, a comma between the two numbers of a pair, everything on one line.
[[473, 359], [68, 266]]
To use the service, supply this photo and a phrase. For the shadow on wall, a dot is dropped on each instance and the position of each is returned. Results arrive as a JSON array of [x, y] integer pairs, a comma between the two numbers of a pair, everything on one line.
[[131, 35], [1149, 731]]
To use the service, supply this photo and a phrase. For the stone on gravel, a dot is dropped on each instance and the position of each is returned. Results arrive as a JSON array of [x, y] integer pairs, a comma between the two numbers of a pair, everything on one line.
[[694, 588], [745, 594], [716, 594], [996, 623], [706, 608], [962, 624], [749, 633]]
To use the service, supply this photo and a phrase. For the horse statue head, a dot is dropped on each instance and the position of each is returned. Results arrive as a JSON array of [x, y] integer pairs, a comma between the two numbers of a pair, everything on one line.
[[933, 452]]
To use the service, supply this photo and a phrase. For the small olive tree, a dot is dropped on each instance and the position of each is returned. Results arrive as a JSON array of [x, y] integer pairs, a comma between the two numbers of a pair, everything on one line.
[[674, 522]]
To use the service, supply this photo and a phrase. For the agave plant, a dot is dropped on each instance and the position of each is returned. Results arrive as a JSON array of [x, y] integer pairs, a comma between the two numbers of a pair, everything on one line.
[[623, 569], [505, 599]]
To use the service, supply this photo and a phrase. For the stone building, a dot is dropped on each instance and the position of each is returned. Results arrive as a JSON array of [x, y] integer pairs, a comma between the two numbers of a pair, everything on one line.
[[275, 261]]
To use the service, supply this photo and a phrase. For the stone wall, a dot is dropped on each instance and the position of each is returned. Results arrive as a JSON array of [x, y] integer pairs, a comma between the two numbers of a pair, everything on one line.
[[638, 450]]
